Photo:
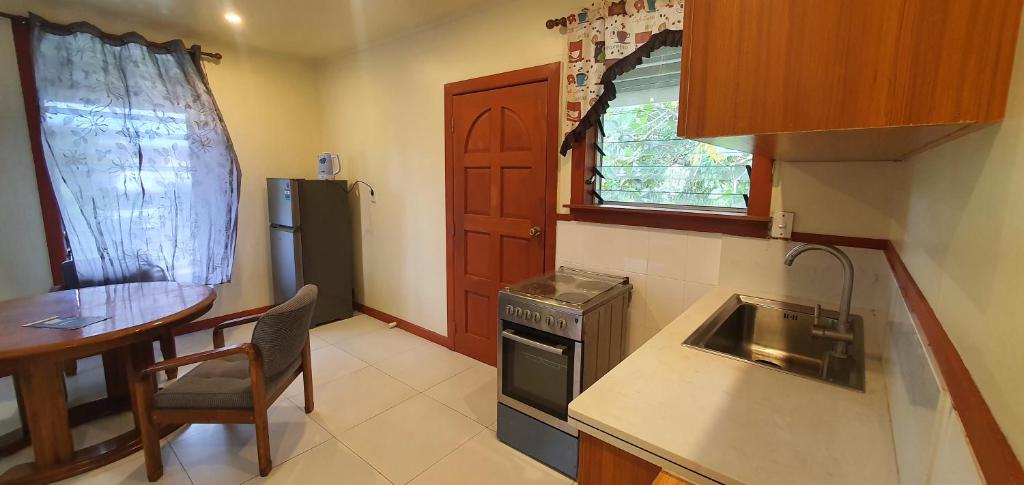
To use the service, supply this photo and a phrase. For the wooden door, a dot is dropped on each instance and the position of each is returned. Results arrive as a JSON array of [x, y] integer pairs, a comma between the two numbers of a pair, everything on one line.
[[500, 152]]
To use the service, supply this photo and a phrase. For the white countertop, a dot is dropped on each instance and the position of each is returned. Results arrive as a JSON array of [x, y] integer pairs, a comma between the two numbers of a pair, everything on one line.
[[736, 422]]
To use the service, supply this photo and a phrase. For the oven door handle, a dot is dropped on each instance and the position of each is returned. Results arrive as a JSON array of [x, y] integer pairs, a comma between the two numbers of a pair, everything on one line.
[[554, 349]]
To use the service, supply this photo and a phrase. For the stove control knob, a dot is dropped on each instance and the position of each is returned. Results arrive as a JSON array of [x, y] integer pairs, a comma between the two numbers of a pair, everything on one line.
[[519, 312], [536, 317], [508, 309], [549, 320], [561, 323]]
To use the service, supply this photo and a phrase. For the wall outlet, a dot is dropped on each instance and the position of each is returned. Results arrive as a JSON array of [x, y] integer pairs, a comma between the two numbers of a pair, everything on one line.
[[782, 225]]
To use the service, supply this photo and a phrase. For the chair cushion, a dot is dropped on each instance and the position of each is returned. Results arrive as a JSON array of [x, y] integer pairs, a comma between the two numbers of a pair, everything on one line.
[[218, 384]]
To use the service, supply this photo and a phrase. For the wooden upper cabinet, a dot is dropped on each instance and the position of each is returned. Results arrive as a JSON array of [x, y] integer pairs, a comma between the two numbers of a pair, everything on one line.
[[819, 80]]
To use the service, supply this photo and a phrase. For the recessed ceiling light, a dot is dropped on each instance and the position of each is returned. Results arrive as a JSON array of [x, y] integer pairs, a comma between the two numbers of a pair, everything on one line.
[[233, 18]]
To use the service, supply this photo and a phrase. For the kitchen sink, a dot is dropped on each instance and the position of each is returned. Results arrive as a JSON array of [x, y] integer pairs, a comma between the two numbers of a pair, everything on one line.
[[783, 336]]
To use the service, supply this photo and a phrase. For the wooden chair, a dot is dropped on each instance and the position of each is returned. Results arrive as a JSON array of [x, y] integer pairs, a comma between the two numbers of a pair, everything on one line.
[[234, 384]]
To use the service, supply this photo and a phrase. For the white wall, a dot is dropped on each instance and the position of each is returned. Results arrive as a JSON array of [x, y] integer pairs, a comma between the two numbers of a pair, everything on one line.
[[24, 264], [959, 229], [270, 105], [844, 198], [384, 113], [383, 110]]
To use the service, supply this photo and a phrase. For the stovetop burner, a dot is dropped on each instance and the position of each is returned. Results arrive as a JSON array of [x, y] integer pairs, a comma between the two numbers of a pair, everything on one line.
[[540, 288], [568, 285], [573, 297]]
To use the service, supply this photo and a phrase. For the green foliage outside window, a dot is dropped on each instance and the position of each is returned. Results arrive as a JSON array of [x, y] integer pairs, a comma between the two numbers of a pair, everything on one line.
[[645, 162]]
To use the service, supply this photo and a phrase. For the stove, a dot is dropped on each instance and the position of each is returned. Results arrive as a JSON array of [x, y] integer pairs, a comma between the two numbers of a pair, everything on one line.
[[556, 302], [558, 334]]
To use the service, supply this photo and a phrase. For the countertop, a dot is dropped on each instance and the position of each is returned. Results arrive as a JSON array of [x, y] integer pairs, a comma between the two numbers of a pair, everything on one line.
[[688, 410]]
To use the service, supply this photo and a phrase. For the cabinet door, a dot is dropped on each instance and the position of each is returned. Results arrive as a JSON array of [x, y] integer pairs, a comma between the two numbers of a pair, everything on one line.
[[753, 67]]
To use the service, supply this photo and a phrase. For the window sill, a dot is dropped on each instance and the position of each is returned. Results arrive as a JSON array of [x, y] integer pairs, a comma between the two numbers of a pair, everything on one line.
[[663, 218]]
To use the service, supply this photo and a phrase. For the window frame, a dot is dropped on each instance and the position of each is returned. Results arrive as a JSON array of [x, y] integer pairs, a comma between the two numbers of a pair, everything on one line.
[[583, 206]]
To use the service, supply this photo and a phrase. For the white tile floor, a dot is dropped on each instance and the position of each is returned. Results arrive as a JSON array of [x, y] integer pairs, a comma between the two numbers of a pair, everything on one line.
[[390, 408]]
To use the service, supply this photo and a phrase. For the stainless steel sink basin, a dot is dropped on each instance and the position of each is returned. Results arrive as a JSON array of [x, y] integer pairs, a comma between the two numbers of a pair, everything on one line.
[[781, 336]]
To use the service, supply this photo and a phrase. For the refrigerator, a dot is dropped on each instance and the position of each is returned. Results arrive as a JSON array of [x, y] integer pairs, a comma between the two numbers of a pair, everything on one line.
[[311, 243]]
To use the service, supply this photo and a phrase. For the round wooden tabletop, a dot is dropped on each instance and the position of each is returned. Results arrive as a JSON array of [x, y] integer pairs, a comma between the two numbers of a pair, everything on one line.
[[134, 310]]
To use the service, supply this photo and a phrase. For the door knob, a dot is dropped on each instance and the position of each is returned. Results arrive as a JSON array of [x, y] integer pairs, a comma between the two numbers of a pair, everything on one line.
[[535, 231]]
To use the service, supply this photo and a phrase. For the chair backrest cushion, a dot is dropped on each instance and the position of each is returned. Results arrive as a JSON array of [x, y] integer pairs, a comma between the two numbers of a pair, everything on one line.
[[281, 332]]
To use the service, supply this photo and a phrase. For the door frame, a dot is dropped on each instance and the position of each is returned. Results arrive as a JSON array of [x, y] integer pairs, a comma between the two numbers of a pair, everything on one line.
[[552, 74]]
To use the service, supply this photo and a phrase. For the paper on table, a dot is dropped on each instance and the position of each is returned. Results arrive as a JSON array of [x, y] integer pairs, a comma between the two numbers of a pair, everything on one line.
[[66, 323]]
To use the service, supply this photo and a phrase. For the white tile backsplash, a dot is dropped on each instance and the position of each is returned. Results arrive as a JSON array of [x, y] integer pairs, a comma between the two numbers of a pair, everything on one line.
[[668, 254], [931, 446], [678, 267], [665, 300], [671, 270], [703, 258], [954, 462], [917, 403]]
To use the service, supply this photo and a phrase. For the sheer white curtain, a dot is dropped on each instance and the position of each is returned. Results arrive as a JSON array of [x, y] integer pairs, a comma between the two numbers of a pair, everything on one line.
[[140, 159]]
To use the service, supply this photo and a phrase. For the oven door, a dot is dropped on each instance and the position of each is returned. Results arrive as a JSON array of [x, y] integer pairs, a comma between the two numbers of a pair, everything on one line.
[[540, 373]]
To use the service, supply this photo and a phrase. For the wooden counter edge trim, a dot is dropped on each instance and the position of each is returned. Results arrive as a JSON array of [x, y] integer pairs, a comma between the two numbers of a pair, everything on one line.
[[845, 241], [991, 450], [406, 325]]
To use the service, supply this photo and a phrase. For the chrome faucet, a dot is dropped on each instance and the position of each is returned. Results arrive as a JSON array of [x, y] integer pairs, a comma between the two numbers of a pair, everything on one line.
[[842, 335]]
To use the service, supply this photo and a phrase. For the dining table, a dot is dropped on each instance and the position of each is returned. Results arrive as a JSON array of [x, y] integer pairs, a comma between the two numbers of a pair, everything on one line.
[[133, 315]]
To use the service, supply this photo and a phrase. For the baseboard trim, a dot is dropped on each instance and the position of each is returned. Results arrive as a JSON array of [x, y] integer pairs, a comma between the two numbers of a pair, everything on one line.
[[405, 325], [208, 323]]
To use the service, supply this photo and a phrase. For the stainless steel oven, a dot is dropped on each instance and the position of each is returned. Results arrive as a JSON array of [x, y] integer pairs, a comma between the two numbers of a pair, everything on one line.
[[558, 333], [540, 373]]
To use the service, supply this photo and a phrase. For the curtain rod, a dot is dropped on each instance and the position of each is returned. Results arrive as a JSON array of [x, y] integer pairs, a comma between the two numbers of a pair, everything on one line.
[[24, 20]]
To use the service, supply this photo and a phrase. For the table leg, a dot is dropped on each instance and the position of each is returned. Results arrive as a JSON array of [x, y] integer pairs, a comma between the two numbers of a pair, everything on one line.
[[115, 364], [41, 382]]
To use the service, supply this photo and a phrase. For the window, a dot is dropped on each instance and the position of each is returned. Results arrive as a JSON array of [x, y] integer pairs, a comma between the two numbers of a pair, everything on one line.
[[644, 162], [640, 173], [165, 175], [138, 177]]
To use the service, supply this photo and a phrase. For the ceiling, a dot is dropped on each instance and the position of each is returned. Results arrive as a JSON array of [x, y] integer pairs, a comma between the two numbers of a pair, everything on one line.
[[306, 28]]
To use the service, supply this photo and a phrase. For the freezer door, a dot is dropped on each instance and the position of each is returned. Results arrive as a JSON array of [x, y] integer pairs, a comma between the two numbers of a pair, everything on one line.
[[286, 262], [283, 199]]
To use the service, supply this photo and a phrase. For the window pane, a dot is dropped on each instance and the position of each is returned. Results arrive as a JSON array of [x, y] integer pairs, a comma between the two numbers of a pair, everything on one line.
[[645, 162]]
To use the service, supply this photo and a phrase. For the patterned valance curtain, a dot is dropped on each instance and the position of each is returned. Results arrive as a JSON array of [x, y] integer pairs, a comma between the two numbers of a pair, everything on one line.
[[607, 39], [144, 172]]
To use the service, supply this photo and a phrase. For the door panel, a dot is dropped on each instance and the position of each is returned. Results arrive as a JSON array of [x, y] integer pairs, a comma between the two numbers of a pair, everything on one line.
[[285, 262], [499, 138]]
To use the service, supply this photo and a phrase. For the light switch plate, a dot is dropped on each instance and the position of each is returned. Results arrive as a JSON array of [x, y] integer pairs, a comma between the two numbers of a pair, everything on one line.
[[782, 225]]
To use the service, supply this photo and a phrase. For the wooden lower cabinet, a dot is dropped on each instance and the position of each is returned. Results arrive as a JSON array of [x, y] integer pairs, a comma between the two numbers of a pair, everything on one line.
[[604, 464]]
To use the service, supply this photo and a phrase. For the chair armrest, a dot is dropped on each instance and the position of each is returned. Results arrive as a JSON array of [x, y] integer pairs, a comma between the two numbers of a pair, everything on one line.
[[218, 331], [246, 348]]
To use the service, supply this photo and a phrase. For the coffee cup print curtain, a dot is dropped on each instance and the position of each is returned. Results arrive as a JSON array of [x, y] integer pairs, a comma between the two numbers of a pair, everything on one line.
[[606, 39]]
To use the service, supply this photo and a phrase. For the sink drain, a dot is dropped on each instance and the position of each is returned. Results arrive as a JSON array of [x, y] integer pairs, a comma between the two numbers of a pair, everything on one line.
[[768, 363]]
